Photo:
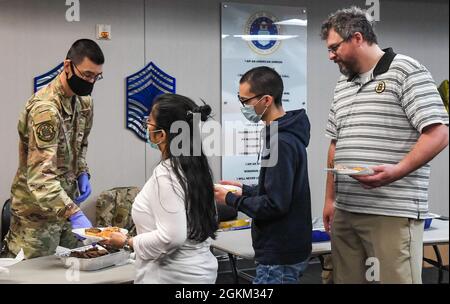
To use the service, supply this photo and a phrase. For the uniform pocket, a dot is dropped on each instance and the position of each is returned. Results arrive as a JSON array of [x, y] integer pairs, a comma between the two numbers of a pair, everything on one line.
[[81, 127]]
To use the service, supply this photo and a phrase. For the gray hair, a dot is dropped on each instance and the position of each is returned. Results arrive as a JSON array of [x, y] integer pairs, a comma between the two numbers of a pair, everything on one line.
[[347, 22]]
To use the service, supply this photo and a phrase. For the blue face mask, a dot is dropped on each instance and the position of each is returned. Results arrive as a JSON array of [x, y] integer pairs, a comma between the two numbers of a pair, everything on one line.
[[250, 112], [152, 144]]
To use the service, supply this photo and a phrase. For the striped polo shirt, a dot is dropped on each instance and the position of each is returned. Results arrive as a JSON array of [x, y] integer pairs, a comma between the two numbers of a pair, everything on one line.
[[378, 122]]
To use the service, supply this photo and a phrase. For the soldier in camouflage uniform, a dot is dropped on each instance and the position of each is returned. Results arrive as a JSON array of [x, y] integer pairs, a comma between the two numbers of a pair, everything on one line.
[[114, 208], [53, 131]]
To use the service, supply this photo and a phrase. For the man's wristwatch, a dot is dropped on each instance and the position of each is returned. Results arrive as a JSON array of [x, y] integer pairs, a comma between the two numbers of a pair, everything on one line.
[[126, 246]]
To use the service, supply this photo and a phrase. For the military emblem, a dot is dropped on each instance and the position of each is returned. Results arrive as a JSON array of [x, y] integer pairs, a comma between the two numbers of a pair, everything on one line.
[[260, 27], [44, 79], [46, 132], [381, 86], [142, 88]]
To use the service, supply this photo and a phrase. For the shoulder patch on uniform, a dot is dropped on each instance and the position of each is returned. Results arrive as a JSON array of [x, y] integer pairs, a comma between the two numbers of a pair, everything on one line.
[[46, 131], [42, 117]]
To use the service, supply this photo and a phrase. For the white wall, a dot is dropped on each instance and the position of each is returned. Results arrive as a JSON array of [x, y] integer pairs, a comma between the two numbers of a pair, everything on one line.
[[183, 38]]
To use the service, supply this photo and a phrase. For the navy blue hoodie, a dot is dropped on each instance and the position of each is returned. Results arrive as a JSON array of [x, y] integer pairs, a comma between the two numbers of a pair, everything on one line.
[[280, 205]]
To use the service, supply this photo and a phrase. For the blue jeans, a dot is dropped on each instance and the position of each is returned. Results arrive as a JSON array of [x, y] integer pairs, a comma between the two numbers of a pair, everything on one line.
[[279, 274]]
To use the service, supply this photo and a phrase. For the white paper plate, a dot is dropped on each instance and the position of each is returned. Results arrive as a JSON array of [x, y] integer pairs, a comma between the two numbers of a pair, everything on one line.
[[350, 171], [80, 232], [230, 188]]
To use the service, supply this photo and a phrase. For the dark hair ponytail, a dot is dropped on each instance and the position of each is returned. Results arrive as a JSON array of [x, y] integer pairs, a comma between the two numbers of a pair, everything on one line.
[[193, 172], [204, 111]]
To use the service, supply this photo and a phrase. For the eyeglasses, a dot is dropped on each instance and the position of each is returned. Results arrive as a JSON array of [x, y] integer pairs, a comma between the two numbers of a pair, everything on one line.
[[335, 47], [90, 78], [244, 100], [146, 123]]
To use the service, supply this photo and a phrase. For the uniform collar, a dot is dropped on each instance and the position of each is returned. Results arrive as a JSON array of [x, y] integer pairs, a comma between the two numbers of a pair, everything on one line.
[[65, 101], [382, 66]]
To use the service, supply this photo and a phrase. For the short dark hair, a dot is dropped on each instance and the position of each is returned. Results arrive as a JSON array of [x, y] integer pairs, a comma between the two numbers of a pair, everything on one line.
[[264, 80], [85, 48], [347, 22]]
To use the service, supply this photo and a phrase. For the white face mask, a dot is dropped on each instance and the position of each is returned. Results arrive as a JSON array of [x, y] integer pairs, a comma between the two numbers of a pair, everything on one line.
[[250, 112]]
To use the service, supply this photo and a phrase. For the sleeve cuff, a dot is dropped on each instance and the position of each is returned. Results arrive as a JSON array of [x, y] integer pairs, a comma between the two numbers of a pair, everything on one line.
[[331, 136], [85, 171], [246, 190], [69, 209], [432, 122], [232, 200]]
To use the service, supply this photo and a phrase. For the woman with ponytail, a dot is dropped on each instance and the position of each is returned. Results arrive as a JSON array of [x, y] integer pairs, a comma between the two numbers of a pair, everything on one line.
[[175, 213]]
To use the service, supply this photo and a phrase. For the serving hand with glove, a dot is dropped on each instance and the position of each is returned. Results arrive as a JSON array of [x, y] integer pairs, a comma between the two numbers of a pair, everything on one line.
[[79, 220], [84, 187]]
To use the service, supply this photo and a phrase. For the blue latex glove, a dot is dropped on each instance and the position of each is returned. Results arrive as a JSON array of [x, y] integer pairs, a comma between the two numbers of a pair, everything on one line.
[[79, 220], [84, 187]]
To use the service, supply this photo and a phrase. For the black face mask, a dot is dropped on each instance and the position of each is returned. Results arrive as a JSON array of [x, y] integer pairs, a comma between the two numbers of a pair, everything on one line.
[[78, 85]]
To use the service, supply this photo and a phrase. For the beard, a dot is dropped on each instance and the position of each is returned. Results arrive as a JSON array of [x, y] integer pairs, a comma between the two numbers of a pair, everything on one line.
[[348, 67]]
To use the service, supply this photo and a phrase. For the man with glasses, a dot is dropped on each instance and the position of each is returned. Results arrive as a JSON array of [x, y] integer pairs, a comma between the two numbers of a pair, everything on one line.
[[387, 116], [280, 205], [53, 178]]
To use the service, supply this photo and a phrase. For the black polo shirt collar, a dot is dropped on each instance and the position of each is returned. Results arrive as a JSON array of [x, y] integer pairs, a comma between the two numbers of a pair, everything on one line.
[[383, 64]]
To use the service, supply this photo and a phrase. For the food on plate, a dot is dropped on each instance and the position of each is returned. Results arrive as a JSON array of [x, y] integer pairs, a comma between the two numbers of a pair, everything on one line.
[[343, 167], [358, 169], [108, 231], [92, 231], [351, 170], [230, 188], [90, 253], [104, 233]]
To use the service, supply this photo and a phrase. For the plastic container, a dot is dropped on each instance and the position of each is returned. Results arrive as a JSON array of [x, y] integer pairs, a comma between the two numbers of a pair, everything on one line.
[[111, 259]]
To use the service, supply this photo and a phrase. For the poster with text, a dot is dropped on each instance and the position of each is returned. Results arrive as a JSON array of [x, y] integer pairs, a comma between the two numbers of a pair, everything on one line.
[[258, 35]]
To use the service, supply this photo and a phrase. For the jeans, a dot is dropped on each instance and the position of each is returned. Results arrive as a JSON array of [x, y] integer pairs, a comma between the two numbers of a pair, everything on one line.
[[279, 274]]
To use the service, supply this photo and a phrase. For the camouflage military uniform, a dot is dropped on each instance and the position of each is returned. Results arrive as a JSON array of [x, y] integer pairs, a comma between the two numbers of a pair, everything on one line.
[[114, 208], [53, 131]]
